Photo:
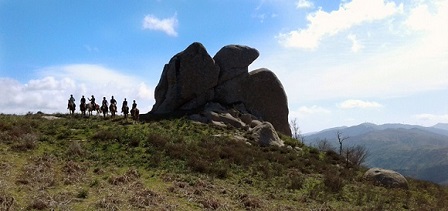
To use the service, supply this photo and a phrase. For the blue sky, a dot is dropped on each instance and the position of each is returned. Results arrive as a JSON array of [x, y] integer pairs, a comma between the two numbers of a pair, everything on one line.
[[341, 62]]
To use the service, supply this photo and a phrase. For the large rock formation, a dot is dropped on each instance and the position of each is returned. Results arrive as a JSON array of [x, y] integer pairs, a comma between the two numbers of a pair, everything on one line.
[[187, 81], [192, 79]]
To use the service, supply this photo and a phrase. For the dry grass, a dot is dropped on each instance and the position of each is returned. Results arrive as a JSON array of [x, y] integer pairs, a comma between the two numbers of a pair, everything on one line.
[[110, 202], [45, 200], [39, 172], [129, 176], [6, 200], [74, 172], [145, 199]]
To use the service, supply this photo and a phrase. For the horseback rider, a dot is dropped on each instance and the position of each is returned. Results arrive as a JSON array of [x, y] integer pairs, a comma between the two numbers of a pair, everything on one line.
[[113, 101], [104, 103], [134, 111], [92, 101], [83, 103], [134, 105], [113, 104], [124, 106], [71, 101], [83, 100]]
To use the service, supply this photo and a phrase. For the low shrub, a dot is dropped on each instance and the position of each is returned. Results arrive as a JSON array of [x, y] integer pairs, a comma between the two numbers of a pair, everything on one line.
[[25, 142], [333, 181]]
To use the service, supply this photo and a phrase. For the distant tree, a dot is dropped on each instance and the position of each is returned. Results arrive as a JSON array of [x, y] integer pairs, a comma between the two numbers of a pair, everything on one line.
[[324, 145], [356, 155], [296, 133], [341, 139]]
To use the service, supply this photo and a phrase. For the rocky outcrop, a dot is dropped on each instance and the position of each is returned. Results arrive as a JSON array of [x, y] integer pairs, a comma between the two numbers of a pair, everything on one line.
[[192, 79], [187, 81], [261, 132], [386, 178]]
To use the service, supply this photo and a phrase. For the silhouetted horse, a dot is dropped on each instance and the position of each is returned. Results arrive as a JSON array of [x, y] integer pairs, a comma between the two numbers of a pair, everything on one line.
[[83, 108], [135, 114], [71, 107], [104, 109], [91, 108], [113, 109], [125, 111]]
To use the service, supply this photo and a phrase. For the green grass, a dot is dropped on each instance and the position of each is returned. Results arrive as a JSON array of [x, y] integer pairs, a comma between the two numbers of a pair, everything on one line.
[[75, 163]]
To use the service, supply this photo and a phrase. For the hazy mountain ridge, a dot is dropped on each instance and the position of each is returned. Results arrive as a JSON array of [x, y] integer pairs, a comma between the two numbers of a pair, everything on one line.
[[412, 150], [443, 126]]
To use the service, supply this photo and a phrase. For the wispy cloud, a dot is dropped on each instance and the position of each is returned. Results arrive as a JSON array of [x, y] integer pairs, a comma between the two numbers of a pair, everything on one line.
[[350, 104], [91, 48], [312, 110], [166, 25], [322, 24], [432, 118], [356, 45], [49, 92], [304, 4]]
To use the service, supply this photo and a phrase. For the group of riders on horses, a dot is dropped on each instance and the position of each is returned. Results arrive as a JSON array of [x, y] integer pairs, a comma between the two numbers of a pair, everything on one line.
[[93, 106]]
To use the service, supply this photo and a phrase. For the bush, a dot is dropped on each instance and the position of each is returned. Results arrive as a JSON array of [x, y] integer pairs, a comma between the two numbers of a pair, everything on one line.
[[106, 135], [25, 142], [333, 181], [74, 149]]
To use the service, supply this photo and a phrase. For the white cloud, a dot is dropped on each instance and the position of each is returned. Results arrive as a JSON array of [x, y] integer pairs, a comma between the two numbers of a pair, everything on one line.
[[312, 110], [356, 45], [167, 25], [49, 93], [144, 92], [350, 104], [304, 4], [431, 20], [401, 61], [44, 94], [322, 24], [432, 118]]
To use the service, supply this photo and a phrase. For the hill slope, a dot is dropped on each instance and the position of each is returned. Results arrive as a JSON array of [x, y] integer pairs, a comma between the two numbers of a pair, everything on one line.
[[411, 150], [78, 163]]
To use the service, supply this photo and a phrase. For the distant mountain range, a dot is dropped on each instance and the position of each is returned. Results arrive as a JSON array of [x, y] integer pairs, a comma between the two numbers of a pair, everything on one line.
[[415, 151]]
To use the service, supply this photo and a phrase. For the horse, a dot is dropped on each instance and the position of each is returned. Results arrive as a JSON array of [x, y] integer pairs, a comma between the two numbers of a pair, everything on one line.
[[91, 108], [135, 114], [83, 108], [113, 109], [104, 109], [72, 107], [125, 111]]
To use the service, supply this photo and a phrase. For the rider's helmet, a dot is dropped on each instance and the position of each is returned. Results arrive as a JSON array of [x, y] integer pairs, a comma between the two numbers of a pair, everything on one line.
[[112, 97]]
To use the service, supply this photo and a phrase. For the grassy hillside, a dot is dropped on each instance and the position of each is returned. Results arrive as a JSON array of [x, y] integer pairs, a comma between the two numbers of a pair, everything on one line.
[[74, 163]]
